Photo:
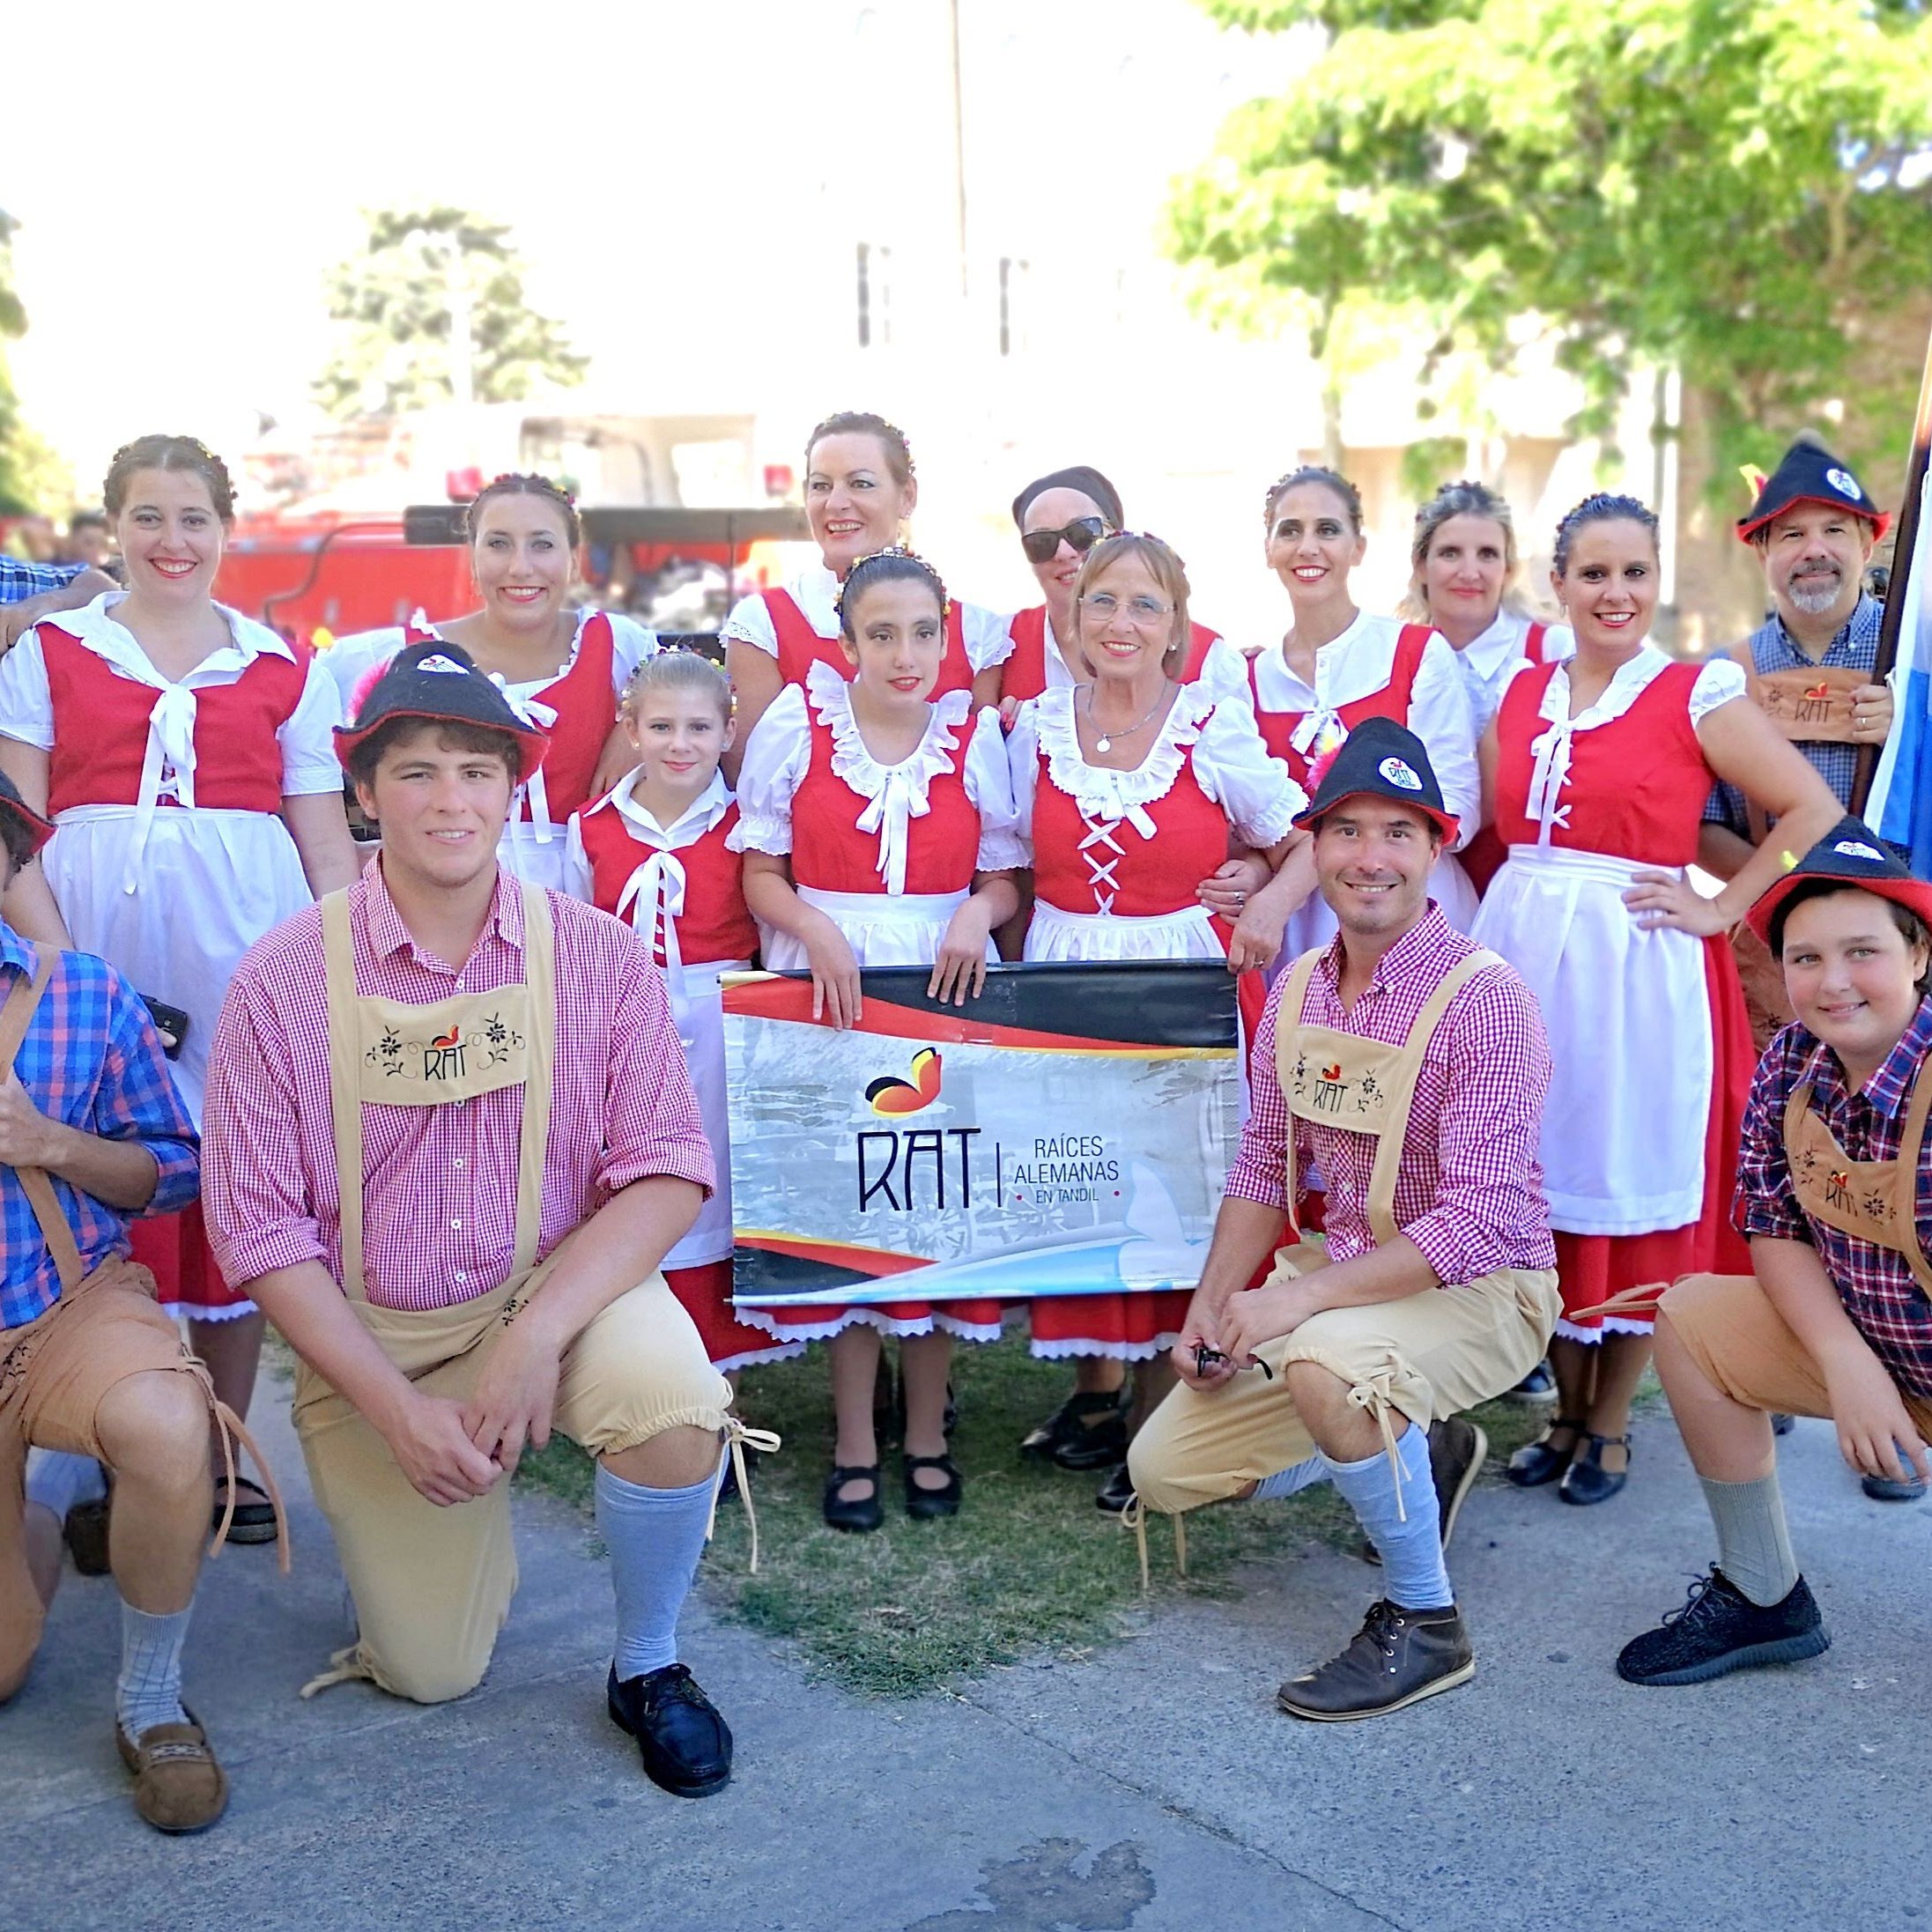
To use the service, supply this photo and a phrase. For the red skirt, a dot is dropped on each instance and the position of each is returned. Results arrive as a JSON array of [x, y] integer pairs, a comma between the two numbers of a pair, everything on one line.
[[173, 1248], [1593, 1268], [705, 1295]]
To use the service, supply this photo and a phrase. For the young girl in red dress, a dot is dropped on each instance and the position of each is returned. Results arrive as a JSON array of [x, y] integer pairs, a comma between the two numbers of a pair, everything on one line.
[[908, 862], [655, 851], [1599, 768], [1130, 786]]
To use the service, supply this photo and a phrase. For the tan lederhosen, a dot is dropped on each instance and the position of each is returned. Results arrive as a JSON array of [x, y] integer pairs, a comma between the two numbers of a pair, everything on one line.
[[1875, 1200], [433, 1585], [1424, 1356], [16, 1015]]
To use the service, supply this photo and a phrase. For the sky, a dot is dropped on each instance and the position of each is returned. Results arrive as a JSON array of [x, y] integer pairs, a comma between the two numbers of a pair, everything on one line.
[[184, 189]]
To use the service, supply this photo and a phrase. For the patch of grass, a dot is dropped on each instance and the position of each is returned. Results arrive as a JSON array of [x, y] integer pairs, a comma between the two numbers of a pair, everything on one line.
[[1029, 1565]]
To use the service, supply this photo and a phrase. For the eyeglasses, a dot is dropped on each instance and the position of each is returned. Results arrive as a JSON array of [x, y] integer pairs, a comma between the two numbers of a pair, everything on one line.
[[1042, 546], [1144, 613]]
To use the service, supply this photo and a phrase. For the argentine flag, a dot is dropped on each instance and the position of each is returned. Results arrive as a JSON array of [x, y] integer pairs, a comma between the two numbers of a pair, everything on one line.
[[1900, 806]]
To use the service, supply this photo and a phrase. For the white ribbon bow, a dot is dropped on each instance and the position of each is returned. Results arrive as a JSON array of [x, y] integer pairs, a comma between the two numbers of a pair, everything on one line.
[[891, 815], [538, 717], [1548, 774], [654, 896], [171, 742]]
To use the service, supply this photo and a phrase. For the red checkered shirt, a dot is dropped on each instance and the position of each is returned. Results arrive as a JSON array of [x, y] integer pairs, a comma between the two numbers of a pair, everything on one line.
[[1876, 1285], [439, 1188], [1469, 1190]]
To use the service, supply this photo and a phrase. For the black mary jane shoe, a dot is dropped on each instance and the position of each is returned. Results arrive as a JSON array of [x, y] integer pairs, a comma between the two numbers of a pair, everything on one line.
[[685, 1744], [1087, 1431], [857, 1513], [1585, 1480], [925, 1505], [1117, 1492], [1537, 1463]]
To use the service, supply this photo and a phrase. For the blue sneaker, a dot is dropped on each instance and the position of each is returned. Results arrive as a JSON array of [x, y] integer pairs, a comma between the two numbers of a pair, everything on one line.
[[1539, 1386]]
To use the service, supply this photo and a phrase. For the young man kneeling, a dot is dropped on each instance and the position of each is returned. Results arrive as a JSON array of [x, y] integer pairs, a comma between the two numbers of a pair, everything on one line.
[[1834, 1191], [449, 1138]]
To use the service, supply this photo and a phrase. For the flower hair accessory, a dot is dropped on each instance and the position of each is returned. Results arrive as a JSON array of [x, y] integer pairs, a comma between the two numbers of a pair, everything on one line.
[[511, 478], [898, 552]]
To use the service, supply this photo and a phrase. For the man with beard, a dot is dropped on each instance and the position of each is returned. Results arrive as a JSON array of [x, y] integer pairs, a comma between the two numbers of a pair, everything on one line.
[[1811, 667]]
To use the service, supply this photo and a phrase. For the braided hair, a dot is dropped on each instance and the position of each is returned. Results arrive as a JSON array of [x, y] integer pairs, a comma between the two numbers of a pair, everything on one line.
[[1602, 507], [893, 565], [518, 483], [1330, 479], [889, 436], [183, 453]]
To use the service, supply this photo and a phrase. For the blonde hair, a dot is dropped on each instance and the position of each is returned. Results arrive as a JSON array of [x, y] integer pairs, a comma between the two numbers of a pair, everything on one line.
[[1465, 497], [678, 670], [1166, 567]]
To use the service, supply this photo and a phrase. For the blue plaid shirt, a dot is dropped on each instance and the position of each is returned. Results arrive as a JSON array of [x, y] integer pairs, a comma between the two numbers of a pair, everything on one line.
[[1855, 647], [20, 581], [92, 1061]]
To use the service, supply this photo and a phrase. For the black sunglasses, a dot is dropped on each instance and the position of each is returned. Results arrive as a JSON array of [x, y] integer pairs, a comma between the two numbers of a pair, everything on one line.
[[1204, 1359], [1042, 546]]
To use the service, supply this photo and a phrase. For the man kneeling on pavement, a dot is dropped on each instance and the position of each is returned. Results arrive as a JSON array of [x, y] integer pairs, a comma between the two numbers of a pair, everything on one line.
[[1834, 1191], [1409, 1065], [449, 1138], [92, 1134]]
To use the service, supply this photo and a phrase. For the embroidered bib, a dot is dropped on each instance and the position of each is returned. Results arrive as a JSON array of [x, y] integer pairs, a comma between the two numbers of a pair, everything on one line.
[[1873, 1201], [1332, 1078], [1810, 707], [387, 1052]]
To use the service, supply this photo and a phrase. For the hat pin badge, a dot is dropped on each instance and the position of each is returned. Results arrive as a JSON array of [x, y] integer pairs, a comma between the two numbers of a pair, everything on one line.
[[1399, 773]]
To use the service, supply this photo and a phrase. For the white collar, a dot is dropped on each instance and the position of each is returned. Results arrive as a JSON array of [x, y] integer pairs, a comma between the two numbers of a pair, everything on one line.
[[94, 626], [697, 819], [1486, 653], [815, 591], [1632, 679], [1328, 658]]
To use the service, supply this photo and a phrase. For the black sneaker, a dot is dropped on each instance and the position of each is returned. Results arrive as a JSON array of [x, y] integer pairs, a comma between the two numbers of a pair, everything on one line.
[[1117, 1492], [1718, 1630], [686, 1746], [1398, 1657], [1087, 1431]]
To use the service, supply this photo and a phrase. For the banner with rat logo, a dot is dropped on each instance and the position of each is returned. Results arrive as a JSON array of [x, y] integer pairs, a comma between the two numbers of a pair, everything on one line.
[[1065, 1133]]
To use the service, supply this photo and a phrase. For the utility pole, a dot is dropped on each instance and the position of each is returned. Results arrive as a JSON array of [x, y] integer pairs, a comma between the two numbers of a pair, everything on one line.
[[958, 145]]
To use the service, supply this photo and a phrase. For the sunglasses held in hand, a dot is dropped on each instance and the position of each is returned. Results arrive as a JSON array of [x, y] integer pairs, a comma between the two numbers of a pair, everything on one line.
[[1204, 1359]]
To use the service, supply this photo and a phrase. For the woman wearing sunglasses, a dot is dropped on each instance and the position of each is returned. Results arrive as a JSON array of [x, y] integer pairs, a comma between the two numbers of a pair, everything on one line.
[[1061, 516]]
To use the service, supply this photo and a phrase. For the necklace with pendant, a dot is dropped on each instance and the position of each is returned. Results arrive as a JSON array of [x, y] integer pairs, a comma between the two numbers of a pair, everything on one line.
[[1105, 742]]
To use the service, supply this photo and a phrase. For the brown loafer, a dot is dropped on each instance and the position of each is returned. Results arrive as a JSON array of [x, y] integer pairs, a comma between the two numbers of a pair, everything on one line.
[[178, 1786]]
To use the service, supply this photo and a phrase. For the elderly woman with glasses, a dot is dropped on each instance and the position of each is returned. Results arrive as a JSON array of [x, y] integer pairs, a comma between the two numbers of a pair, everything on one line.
[[1061, 516], [1128, 785]]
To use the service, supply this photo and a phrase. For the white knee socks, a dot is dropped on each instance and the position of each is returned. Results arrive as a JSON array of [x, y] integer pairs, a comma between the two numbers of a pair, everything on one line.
[[148, 1690], [1413, 1575], [655, 1538]]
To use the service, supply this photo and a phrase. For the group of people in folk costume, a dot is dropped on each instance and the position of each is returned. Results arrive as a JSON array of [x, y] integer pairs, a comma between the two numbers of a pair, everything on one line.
[[463, 1138]]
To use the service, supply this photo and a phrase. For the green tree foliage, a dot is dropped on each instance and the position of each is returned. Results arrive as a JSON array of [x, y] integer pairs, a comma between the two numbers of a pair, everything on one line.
[[1740, 188], [395, 301], [30, 476]]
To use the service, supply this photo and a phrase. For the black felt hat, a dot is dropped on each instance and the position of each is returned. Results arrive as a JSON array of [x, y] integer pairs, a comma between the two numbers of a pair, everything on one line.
[[438, 683], [1383, 759], [1809, 473], [1851, 854], [39, 829]]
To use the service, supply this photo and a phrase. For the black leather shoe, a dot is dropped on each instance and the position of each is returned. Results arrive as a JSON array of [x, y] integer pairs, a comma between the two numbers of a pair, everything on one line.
[[860, 1512], [1398, 1657], [1783, 1425], [85, 1531], [1537, 1463], [1881, 1489], [926, 1504], [1719, 1630], [1586, 1480], [685, 1745], [1087, 1431], [1117, 1492]]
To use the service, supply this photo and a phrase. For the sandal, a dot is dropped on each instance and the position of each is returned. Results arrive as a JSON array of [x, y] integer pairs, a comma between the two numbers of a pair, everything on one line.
[[252, 1522], [1586, 1481], [856, 1513], [925, 1505], [1537, 1463]]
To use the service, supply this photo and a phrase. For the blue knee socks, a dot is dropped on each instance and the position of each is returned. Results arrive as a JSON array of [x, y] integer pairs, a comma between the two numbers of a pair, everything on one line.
[[1291, 1481], [655, 1538], [57, 1480], [1413, 1569]]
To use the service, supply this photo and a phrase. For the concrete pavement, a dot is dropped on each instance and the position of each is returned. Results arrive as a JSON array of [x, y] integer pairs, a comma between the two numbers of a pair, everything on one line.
[[1151, 1788]]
